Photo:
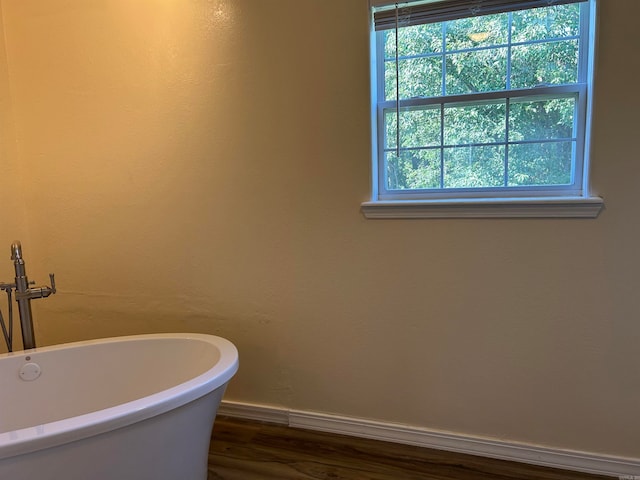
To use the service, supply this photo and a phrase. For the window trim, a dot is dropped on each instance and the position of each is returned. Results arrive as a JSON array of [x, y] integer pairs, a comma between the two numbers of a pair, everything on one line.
[[513, 207], [554, 202]]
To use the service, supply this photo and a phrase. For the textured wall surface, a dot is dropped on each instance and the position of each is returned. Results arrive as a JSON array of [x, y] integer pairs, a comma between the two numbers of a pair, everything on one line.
[[198, 165], [13, 219]]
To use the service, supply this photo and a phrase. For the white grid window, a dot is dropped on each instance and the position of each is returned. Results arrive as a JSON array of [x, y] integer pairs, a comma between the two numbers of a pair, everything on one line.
[[473, 103]]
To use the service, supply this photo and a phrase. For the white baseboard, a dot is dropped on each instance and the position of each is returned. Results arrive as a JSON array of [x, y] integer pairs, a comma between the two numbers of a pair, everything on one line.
[[249, 411], [566, 459]]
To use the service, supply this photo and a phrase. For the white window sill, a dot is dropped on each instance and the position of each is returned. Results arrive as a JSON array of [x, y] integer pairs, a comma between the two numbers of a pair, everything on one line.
[[539, 207]]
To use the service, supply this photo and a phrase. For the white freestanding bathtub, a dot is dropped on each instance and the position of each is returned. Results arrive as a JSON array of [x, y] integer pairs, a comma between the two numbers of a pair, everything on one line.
[[138, 407]]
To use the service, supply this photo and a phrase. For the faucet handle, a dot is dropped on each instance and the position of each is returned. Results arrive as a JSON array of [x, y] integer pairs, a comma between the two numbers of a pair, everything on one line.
[[53, 283], [38, 292]]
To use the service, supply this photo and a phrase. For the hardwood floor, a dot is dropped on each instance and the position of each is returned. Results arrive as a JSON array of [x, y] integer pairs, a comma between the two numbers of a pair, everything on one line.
[[248, 450]]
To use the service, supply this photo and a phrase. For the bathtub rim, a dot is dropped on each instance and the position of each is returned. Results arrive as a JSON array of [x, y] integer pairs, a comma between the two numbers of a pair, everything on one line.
[[59, 432]]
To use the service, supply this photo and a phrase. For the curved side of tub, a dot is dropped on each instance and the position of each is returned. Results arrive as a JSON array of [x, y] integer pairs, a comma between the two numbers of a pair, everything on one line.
[[161, 435]]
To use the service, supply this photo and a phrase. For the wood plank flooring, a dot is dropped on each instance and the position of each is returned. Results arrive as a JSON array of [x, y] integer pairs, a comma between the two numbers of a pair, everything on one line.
[[248, 450]]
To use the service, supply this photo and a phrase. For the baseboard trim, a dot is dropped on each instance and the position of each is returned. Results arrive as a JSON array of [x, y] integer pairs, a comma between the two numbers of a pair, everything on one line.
[[260, 413], [390, 432]]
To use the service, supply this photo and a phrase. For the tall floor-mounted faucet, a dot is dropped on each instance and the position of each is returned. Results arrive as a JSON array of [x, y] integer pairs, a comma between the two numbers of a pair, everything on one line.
[[24, 294]]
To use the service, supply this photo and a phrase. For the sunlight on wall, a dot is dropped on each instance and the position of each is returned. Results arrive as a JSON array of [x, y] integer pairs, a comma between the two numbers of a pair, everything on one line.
[[136, 94], [13, 202]]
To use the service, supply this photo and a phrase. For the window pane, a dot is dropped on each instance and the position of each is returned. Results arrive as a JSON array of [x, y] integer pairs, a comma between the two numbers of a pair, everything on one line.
[[547, 22], [420, 71], [414, 40], [467, 167], [413, 169], [476, 71], [544, 63], [476, 32], [419, 77], [419, 127], [541, 119], [541, 163], [476, 123]]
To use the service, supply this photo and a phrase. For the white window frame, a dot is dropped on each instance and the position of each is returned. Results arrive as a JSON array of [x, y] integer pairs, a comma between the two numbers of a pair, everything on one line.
[[552, 201]]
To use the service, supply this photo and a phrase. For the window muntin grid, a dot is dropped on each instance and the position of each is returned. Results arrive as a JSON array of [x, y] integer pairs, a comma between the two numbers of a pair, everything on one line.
[[492, 155]]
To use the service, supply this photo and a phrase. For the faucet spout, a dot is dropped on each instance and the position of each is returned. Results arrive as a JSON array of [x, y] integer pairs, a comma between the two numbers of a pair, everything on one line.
[[16, 251]]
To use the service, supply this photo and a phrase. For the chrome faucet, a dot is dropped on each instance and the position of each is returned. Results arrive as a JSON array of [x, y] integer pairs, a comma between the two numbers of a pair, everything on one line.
[[24, 294]]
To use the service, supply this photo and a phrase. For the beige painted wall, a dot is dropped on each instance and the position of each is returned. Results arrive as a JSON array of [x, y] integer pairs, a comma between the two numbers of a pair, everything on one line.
[[13, 224], [13, 216], [198, 165]]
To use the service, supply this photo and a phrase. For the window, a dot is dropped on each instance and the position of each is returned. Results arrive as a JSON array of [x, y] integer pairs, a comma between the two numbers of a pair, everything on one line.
[[482, 107]]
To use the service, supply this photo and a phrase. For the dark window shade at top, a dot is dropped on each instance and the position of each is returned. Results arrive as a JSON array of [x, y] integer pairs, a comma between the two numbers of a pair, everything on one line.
[[443, 10]]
